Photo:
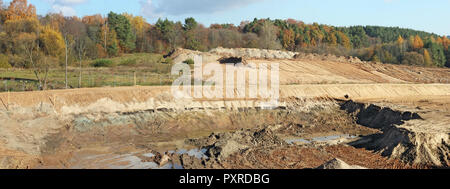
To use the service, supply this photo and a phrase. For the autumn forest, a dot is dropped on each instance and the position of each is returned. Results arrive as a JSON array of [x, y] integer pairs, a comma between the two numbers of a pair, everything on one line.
[[28, 40]]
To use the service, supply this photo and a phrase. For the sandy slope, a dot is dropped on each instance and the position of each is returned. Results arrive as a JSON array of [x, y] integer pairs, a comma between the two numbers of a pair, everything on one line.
[[85, 97], [298, 68]]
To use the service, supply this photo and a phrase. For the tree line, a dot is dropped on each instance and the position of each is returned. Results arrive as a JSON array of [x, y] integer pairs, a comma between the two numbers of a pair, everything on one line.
[[28, 40]]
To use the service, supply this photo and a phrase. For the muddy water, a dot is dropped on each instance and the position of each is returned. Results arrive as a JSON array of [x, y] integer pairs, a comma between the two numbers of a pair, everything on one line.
[[111, 161], [130, 160], [324, 139]]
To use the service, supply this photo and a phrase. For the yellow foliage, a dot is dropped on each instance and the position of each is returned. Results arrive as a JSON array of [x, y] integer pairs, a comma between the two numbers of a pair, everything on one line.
[[137, 22], [427, 58], [345, 41], [418, 43], [53, 42], [400, 40]]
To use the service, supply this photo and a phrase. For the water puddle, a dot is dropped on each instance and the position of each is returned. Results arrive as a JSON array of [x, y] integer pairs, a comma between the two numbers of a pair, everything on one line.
[[333, 137], [113, 161], [132, 160], [198, 153], [297, 140], [319, 139]]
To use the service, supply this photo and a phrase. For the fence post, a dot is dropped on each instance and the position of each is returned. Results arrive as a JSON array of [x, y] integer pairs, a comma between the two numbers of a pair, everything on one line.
[[134, 77], [7, 101], [114, 79]]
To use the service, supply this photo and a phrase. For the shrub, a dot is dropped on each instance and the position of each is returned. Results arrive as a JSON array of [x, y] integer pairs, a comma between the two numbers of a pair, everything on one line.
[[102, 63], [189, 61], [4, 61]]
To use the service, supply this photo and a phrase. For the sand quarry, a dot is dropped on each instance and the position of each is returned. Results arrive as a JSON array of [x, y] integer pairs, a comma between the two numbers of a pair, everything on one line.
[[334, 113]]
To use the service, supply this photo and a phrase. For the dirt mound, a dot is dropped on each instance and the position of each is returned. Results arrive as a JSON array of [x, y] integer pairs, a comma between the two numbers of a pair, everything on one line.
[[411, 147], [253, 53], [218, 54], [180, 55], [222, 145], [232, 60], [338, 164], [407, 142], [276, 54], [374, 116]]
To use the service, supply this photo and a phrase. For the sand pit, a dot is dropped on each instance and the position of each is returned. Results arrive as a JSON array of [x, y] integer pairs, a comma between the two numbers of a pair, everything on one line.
[[401, 120]]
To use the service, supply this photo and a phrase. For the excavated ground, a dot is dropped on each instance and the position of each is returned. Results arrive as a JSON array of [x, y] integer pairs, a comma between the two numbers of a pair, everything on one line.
[[171, 140], [307, 134], [391, 123]]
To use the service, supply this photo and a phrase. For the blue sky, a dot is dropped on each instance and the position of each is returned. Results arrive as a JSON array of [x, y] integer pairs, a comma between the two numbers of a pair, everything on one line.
[[431, 15]]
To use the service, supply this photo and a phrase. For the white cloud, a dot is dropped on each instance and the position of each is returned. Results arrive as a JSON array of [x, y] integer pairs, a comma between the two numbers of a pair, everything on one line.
[[65, 10], [66, 7], [158, 8]]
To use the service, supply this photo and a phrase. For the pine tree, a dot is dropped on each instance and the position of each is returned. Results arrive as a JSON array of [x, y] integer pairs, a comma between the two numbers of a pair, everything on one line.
[[190, 24], [447, 55], [121, 25], [437, 54]]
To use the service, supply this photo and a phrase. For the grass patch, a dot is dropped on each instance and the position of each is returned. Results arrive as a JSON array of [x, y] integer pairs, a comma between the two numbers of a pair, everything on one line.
[[112, 72], [128, 62]]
